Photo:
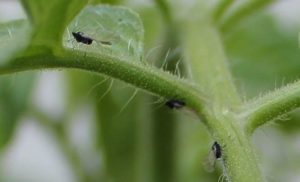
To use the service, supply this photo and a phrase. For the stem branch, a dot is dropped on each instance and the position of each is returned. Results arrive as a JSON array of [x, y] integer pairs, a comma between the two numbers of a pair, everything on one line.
[[271, 106], [221, 8], [135, 73]]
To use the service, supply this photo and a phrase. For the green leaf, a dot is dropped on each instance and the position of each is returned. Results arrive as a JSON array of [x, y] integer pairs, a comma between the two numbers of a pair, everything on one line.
[[121, 27], [50, 18], [13, 39]]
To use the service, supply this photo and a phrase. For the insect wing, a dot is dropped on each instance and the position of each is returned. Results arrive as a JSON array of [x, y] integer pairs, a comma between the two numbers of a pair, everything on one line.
[[108, 39], [209, 162]]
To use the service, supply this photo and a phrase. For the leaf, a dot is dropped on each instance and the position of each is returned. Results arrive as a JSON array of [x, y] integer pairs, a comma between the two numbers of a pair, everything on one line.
[[117, 25], [13, 39], [50, 18]]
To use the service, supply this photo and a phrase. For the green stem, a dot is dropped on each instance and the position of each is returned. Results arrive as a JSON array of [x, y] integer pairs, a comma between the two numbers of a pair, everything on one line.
[[135, 73], [164, 145], [221, 8], [165, 10], [209, 66], [205, 53], [243, 11], [271, 106], [164, 125], [118, 133]]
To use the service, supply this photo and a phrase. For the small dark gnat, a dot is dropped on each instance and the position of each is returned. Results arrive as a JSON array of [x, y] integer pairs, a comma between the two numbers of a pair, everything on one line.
[[80, 37], [216, 148], [214, 154], [175, 104]]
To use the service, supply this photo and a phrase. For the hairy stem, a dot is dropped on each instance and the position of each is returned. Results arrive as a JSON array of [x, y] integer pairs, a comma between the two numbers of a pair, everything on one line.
[[209, 66], [271, 106], [205, 53], [135, 73]]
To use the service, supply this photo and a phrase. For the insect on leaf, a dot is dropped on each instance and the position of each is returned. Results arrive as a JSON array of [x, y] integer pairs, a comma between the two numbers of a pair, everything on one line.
[[115, 31]]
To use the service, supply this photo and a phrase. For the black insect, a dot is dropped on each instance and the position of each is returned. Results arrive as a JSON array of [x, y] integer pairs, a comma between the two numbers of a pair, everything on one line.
[[80, 37], [216, 148], [175, 104], [214, 154]]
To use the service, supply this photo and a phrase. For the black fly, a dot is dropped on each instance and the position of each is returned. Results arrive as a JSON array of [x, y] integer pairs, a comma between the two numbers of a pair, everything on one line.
[[175, 104], [214, 154], [216, 148], [80, 37]]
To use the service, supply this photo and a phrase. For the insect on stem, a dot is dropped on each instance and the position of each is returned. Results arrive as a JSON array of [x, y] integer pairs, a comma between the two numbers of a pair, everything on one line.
[[175, 104], [216, 148], [214, 154]]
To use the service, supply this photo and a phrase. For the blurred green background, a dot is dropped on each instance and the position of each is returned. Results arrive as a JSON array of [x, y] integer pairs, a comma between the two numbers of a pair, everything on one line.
[[64, 126]]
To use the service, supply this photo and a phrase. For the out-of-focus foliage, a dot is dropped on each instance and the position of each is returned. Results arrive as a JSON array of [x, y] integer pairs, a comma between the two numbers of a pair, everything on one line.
[[14, 95], [263, 54], [13, 39]]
